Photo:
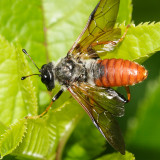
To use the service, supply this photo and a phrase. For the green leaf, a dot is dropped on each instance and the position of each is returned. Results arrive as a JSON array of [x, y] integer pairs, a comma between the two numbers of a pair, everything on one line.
[[2, 128], [125, 12], [139, 44], [64, 23], [35, 144], [17, 99], [144, 128], [24, 21], [28, 87], [12, 137], [56, 127], [118, 156], [60, 123]]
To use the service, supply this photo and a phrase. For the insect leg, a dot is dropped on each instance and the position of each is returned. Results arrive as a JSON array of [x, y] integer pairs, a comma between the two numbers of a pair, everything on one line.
[[124, 34], [128, 93], [53, 100]]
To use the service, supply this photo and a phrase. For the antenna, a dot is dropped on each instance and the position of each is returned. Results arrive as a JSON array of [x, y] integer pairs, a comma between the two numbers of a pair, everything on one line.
[[24, 51], [23, 78]]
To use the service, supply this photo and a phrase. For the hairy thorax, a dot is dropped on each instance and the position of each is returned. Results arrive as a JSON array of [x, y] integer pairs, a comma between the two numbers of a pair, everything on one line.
[[68, 71]]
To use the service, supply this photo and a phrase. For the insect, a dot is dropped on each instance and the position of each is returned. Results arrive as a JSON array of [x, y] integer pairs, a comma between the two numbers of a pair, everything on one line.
[[88, 78]]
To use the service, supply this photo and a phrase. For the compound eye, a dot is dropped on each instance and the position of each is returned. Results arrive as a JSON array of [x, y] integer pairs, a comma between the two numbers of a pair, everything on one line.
[[45, 78]]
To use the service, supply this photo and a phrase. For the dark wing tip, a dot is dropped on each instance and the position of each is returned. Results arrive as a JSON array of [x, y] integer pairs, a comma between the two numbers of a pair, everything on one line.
[[122, 152], [119, 144], [110, 129], [122, 149]]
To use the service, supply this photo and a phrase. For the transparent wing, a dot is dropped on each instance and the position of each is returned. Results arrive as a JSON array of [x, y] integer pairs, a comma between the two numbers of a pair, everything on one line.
[[99, 28], [106, 98], [97, 107]]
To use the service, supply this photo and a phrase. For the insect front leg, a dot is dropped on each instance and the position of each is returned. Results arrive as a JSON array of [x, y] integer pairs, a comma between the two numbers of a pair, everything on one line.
[[43, 113]]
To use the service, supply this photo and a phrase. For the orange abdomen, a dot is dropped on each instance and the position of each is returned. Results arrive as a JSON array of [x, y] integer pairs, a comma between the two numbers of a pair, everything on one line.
[[119, 72]]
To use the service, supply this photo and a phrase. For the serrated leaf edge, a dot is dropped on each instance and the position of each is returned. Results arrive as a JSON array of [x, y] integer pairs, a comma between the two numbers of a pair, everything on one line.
[[8, 132]]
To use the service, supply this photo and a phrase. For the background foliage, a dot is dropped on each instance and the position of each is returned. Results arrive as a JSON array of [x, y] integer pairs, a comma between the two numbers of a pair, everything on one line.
[[47, 29]]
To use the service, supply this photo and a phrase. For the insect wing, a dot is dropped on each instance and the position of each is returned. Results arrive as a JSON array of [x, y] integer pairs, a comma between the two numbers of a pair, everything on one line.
[[99, 28], [103, 119], [106, 98]]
